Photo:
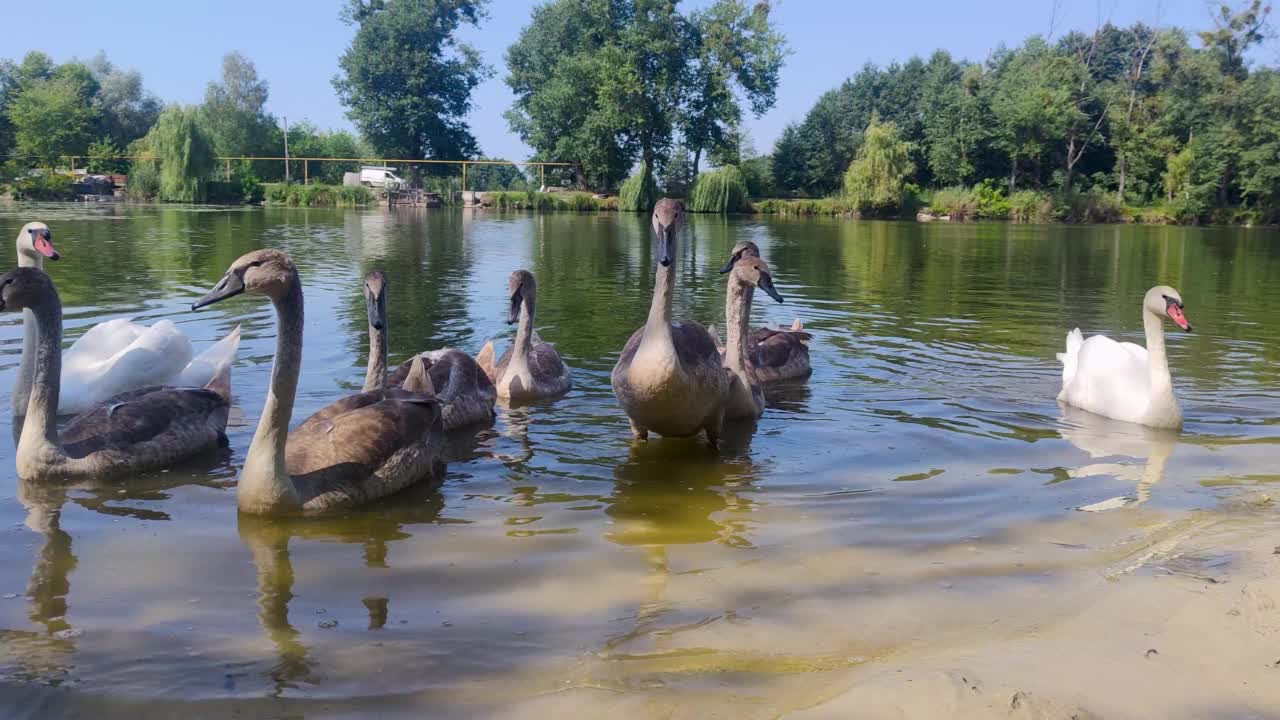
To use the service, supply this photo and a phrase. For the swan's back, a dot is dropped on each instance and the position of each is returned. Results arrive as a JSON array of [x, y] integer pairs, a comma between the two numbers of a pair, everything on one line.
[[362, 447], [465, 392], [154, 356], [1106, 377]]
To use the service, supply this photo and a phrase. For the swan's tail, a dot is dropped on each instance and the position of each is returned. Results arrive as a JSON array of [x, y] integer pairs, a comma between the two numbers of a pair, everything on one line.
[[796, 325], [205, 367], [221, 382], [1075, 340], [485, 360], [418, 380]]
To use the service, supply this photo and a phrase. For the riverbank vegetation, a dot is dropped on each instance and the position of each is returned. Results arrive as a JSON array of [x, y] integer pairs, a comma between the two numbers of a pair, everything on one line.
[[318, 195], [1140, 123], [1137, 123]]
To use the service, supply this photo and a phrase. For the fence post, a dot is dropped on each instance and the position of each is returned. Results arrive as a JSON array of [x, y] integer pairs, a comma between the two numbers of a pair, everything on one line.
[[228, 169], [543, 170], [464, 176], [306, 172]]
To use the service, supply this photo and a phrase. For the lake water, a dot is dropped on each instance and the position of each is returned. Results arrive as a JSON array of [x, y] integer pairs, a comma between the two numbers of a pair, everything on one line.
[[922, 485]]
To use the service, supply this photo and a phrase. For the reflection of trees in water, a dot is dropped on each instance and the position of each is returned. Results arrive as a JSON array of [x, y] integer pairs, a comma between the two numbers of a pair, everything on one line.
[[428, 265], [375, 528]]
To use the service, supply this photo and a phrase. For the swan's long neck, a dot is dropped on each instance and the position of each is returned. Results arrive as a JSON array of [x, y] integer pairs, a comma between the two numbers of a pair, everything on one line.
[[657, 330], [265, 485], [1160, 379], [40, 430], [524, 331], [737, 319], [376, 374], [26, 370]]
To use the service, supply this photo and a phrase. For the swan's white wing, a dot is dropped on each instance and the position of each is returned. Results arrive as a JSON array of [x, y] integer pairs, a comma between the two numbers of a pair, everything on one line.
[[1111, 379], [204, 366], [102, 341], [155, 357]]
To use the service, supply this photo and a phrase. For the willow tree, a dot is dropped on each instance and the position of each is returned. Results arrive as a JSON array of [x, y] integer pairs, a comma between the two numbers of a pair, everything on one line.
[[182, 153], [876, 182]]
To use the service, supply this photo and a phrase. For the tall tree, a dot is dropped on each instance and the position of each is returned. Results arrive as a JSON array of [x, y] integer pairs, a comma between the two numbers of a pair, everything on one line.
[[234, 113], [954, 119], [126, 110], [737, 53], [55, 116], [406, 79], [1032, 102], [877, 178], [604, 83]]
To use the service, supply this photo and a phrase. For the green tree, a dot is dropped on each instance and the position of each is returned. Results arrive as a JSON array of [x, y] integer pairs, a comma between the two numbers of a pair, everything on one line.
[[406, 79], [736, 53], [126, 110], [604, 83], [876, 182], [182, 154], [954, 119], [234, 114], [53, 117], [1234, 33], [1032, 103], [495, 177]]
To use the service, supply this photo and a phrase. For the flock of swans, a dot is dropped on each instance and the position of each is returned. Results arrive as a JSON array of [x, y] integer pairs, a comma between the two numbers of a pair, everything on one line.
[[141, 402]]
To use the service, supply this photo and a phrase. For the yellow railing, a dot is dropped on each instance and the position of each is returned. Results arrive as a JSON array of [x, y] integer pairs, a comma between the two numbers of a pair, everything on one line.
[[306, 163]]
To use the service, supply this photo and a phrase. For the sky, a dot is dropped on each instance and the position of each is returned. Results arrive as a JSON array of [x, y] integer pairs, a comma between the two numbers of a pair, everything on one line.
[[295, 44]]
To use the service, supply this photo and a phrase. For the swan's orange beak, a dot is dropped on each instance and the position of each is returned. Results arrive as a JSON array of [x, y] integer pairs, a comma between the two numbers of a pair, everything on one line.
[[1177, 316]]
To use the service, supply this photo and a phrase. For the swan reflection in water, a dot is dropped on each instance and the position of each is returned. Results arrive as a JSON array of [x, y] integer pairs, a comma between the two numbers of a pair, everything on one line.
[[1126, 451], [267, 539], [674, 492]]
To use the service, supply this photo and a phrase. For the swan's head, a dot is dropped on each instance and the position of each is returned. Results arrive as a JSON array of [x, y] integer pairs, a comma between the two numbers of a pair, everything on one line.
[[754, 271], [668, 217], [35, 242], [24, 288], [522, 288], [375, 298], [261, 272], [746, 248], [1163, 300]]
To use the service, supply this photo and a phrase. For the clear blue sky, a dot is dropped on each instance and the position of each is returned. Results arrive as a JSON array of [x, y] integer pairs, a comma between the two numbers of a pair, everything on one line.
[[295, 44]]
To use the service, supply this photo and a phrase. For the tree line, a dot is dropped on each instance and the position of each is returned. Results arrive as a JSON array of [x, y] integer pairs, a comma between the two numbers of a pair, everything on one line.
[[1139, 115]]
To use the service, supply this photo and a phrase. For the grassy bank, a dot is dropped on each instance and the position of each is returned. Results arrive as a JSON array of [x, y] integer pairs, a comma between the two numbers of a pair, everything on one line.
[[318, 195], [531, 200]]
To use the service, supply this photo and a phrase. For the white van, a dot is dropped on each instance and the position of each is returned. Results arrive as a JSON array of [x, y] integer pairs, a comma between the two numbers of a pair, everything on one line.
[[380, 177]]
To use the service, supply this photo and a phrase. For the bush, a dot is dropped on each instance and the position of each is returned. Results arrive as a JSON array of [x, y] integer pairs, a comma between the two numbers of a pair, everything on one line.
[[44, 186], [101, 160], [549, 202], [956, 202], [1092, 206], [719, 191], [1030, 206], [639, 193], [143, 182], [318, 195], [808, 207]]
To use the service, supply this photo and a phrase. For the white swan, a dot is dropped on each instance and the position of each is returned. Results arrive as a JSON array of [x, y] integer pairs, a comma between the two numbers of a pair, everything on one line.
[[1125, 381], [115, 356]]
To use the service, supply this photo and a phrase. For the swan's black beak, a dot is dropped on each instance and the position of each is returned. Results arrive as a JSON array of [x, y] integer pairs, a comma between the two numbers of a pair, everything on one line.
[[729, 265], [377, 308], [230, 285], [513, 312], [666, 243], [766, 284]]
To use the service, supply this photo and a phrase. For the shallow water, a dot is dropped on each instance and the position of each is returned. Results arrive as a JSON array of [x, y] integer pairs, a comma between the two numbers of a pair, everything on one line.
[[921, 485]]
